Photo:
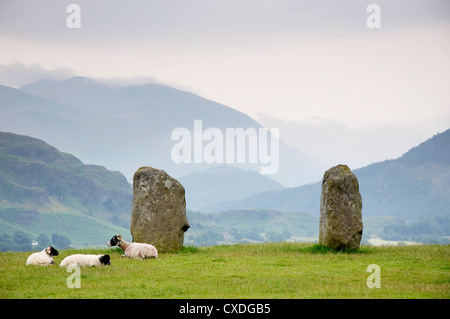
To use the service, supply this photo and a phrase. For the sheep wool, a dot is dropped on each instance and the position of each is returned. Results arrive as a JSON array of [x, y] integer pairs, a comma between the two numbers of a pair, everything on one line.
[[43, 258], [134, 250], [83, 260]]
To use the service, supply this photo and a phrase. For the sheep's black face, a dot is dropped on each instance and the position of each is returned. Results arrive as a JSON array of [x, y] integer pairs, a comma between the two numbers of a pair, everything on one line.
[[105, 260], [113, 242], [52, 251]]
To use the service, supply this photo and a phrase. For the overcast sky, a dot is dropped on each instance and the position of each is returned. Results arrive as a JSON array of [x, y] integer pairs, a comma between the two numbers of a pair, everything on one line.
[[334, 87]]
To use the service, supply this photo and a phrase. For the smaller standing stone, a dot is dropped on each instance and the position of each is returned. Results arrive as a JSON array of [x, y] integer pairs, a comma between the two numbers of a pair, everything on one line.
[[341, 223], [158, 213]]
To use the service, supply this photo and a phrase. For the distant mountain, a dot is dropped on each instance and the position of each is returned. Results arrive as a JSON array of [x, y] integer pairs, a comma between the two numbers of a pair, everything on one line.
[[126, 127], [250, 226], [213, 185], [45, 190], [412, 187]]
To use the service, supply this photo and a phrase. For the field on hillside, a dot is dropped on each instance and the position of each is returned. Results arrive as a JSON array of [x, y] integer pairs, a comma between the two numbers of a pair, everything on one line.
[[272, 270]]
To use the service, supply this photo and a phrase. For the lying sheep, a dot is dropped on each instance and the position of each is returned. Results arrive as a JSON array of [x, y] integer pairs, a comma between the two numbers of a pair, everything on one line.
[[85, 260], [43, 258], [134, 250]]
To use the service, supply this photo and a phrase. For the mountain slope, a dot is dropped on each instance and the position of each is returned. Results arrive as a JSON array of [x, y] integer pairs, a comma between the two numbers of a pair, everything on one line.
[[411, 187], [127, 127], [30, 167], [40, 185], [213, 185]]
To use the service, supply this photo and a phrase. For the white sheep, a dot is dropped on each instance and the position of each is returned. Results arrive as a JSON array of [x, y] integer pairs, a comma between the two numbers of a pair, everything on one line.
[[85, 260], [43, 258], [134, 250]]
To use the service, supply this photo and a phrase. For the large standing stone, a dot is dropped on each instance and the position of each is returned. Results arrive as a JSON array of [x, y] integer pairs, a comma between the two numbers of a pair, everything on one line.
[[341, 223], [158, 213]]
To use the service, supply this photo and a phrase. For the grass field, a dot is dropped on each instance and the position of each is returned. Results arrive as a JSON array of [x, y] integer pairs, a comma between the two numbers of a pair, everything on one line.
[[272, 270]]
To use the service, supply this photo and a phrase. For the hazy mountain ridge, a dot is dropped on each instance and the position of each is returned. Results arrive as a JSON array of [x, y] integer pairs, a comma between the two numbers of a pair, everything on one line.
[[411, 187], [210, 186], [126, 127]]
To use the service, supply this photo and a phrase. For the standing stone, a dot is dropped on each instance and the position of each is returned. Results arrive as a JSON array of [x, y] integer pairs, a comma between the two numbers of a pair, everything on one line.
[[341, 223], [158, 213]]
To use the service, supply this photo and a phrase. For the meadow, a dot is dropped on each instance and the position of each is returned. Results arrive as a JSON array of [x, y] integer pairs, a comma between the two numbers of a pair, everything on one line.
[[247, 271]]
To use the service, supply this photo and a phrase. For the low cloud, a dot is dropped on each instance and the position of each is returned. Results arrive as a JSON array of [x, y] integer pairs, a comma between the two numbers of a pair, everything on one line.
[[17, 74]]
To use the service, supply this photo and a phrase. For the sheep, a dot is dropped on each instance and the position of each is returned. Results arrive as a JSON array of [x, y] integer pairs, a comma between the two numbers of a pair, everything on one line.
[[43, 258], [85, 260], [134, 250]]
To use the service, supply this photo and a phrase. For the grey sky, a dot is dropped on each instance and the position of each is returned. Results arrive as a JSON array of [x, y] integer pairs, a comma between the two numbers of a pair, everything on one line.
[[305, 63]]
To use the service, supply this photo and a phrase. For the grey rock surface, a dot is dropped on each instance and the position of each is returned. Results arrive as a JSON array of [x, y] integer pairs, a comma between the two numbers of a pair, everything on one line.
[[341, 223], [158, 214]]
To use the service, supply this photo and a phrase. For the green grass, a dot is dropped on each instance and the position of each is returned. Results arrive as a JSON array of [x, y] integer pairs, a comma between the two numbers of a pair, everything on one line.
[[272, 270]]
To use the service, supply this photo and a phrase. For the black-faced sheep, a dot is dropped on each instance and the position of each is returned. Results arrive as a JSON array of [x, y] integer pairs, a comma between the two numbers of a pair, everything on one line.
[[43, 258], [134, 250], [85, 260]]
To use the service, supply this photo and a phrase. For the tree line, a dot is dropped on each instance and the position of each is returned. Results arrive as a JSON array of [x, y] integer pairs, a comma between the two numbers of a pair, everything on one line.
[[21, 241], [432, 230]]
